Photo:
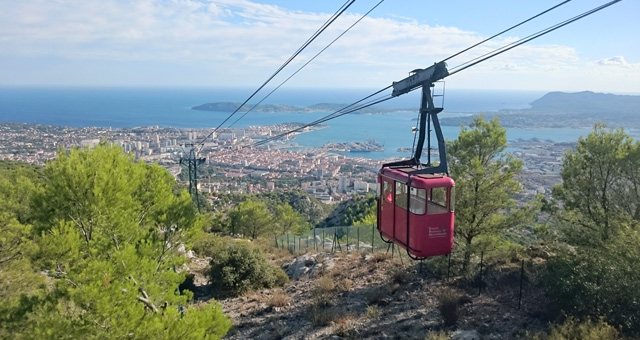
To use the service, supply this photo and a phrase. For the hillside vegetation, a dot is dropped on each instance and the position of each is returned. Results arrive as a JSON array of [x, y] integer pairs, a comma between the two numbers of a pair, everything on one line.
[[98, 246]]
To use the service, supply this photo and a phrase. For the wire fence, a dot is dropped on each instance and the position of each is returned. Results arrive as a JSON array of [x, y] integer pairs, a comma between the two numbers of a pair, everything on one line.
[[334, 239], [487, 271]]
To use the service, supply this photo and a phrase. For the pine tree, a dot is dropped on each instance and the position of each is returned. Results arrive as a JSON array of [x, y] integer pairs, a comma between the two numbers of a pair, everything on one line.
[[108, 229], [486, 183]]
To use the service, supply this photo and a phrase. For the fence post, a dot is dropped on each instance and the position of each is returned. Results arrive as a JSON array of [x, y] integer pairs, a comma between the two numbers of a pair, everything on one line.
[[480, 283], [358, 244], [322, 239], [372, 238], [348, 227], [299, 243], [336, 241], [521, 279], [288, 243]]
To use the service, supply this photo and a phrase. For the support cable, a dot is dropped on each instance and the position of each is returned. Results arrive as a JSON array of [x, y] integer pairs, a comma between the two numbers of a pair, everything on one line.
[[307, 63], [352, 107], [295, 54], [507, 30], [536, 35], [336, 114]]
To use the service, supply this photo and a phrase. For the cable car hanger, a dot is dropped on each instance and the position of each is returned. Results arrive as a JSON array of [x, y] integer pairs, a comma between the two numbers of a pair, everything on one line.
[[425, 79]]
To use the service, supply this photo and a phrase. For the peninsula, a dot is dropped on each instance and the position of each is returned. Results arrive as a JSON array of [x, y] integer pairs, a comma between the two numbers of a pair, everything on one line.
[[553, 110], [566, 110], [322, 107]]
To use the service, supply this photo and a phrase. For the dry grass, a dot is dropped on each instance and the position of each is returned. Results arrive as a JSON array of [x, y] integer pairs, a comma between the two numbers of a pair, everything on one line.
[[380, 257], [281, 329], [344, 285], [273, 253], [278, 299], [321, 315], [377, 295], [323, 292], [448, 301], [346, 327], [321, 312], [438, 336], [325, 284], [399, 275], [373, 312]]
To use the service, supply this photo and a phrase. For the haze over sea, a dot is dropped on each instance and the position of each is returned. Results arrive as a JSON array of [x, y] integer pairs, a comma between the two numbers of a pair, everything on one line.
[[171, 107]]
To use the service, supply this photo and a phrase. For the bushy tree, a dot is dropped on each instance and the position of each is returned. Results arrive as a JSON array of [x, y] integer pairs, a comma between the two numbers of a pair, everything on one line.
[[600, 188], [599, 282], [251, 218], [597, 214], [288, 220], [486, 183], [309, 207], [108, 229], [20, 281]]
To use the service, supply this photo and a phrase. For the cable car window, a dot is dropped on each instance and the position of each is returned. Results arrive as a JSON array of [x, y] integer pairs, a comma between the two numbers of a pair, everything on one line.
[[387, 191], [401, 195], [418, 204], [437, 201], [452, 199]]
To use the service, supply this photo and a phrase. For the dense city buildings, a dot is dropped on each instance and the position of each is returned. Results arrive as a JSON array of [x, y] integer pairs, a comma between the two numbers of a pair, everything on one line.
[[233, 164]]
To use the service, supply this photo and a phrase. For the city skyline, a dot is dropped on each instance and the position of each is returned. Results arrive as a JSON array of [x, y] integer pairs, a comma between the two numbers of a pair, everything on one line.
[[241, 43]]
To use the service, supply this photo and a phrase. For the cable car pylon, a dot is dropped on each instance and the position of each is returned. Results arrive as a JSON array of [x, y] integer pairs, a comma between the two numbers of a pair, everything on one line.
[[192, 161]]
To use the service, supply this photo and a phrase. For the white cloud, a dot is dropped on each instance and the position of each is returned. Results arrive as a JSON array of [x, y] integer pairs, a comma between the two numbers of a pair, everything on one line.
[[242, 42], [613, 61]]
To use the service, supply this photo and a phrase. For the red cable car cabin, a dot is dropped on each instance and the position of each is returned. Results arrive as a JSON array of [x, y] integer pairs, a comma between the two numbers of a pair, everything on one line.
[[425, 227], [416, 204]]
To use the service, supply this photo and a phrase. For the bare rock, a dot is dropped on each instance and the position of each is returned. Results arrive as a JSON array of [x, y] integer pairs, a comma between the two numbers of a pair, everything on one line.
[[465, 335], [301, 266]]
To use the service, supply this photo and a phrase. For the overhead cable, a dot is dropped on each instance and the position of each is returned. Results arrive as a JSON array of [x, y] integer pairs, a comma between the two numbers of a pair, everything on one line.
[[343, 111], [536, 35], [295, 54], [307, 63], [507, 30], [354, 107]]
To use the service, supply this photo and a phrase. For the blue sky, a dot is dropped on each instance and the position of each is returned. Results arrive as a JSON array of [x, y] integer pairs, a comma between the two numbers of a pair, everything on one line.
[[240, 43]]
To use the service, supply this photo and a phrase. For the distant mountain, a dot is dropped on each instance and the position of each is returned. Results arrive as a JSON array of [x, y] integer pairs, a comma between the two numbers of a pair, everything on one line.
[[587, 102], [563, 110]]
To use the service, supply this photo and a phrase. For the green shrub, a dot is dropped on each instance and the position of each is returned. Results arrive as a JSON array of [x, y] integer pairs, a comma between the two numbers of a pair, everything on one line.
[[603, 282], [237, 268], [209, 245], [574, 330]]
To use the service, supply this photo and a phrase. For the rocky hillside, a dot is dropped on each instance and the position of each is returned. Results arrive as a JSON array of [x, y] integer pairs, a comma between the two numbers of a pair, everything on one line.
[[375, 296]]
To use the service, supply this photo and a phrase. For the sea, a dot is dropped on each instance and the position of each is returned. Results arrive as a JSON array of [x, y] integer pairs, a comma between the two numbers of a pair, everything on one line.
[[122, 107]]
